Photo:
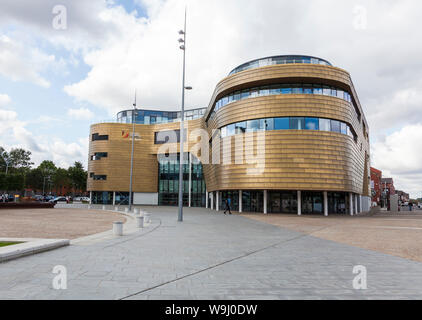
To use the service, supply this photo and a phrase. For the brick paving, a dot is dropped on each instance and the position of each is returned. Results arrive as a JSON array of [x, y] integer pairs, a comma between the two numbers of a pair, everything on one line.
[[211, 256]]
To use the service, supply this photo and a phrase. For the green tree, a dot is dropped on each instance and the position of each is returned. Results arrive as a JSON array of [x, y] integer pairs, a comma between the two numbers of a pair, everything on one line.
[[48, 170], [20, 159], [61, 178], [78, 176], [34, 179]]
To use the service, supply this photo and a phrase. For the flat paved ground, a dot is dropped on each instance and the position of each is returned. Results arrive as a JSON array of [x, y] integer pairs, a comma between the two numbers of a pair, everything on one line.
[[57, 223], [211, 256], [399, 234]]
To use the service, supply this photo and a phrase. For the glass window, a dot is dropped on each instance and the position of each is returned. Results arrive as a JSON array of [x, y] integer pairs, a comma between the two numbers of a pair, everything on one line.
[[297, 123], [240, 127], [244, 94], [340, 94], [264, 91], [335, 126], [224, 132], [307, 89], [254, 92], [236, 95], [326, 91], [311, 123], [343, 128], [252, 125], [297, 89], [230, 98], [317, 89], [281, 123], [275, 89], [286, 89], [267, 124], [225, 101], [231, 130], [324, 125]]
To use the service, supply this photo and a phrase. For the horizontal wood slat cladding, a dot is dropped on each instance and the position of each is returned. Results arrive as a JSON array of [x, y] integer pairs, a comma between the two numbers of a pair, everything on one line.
[[294, 159], [117, 164]]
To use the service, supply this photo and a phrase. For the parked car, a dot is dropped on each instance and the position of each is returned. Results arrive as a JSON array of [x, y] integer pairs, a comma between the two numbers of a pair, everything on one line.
[[420, 205], [84, 199], [58, 199]]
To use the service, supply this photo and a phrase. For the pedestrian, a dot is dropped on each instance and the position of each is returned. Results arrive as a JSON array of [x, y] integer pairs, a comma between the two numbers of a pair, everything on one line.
[[227, 206], [410, 206]]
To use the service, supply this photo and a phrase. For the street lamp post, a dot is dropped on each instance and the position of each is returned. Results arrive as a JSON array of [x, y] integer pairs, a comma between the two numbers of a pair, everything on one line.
[[182, 118], [134, 113]]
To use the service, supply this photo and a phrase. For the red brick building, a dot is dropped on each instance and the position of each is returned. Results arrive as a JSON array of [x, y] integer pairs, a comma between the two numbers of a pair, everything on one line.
[[376, 176]]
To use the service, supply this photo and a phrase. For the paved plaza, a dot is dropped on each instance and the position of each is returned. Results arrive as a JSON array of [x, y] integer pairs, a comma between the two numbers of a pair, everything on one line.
[[211, 256]]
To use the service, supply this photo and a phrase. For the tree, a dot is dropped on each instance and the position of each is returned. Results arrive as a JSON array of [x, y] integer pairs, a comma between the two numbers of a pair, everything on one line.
[[34, 179], [61, 179], [78, 176], [48, 169], [20, 159]]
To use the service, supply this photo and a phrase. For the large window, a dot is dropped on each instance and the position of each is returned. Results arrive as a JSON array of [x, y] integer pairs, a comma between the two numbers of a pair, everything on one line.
[[169, 136], [97, 136], [287, 123], [99, 155], [279, 60], [278, 89]]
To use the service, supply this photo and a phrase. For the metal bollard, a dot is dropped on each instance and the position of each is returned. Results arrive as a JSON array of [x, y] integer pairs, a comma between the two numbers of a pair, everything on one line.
[[118, 228], [140, 221]]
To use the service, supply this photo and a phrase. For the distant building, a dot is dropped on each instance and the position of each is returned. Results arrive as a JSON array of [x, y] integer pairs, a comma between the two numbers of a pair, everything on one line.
[[376, 176], [403, 197], [387, 190]]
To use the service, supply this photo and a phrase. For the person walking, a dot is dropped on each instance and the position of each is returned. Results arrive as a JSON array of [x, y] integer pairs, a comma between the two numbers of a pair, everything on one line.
[[227, 206], [410, 206]]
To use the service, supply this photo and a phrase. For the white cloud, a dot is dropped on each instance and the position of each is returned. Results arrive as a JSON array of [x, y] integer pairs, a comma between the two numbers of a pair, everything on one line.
[[399, 156], [4, 100], [80, 114]]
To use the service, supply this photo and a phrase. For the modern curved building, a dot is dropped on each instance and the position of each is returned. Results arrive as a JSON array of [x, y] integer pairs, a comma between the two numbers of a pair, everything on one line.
[[283, 134]]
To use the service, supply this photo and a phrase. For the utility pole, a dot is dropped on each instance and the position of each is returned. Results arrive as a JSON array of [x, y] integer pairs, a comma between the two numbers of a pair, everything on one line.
[[134, 113]]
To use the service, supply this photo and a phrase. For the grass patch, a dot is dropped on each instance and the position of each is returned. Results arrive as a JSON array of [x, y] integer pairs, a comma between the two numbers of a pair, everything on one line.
[[5, 244]]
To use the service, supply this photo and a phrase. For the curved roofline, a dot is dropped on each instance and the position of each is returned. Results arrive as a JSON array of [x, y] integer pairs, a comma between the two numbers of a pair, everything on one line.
[[281, 56], [142, 109]]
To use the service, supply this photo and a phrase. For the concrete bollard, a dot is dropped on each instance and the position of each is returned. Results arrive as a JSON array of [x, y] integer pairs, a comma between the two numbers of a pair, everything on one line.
[[140, 221], [89, 206], [104, 207], [126, 210], [118, 228], [147, 217], [136, 211], [116, 208]]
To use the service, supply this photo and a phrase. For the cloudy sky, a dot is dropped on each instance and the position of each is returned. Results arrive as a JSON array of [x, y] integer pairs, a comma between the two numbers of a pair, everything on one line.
[[56, 81]]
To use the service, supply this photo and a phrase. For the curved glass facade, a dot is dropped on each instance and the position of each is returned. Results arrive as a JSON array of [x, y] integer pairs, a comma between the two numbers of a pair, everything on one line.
[[156, 116], [279, 60], [277, 89], [287, 123]]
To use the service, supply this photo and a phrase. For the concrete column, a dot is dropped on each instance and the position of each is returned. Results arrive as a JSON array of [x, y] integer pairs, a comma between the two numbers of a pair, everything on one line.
[[190, 180], [217, 205], [114, 198], [212, 200], [299, 203], [356, 204], [90, 197], [206, 198], [240, 202], [265, 201], [351, 203], [360, 203], [326, 203]]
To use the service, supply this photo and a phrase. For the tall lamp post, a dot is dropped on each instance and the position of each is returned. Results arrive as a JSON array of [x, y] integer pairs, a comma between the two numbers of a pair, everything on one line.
[[134, 113], [182, 41]]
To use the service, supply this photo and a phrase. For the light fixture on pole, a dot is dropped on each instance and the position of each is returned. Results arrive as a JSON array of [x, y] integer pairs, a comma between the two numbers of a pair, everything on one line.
[[182, 118], [134, 113]]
